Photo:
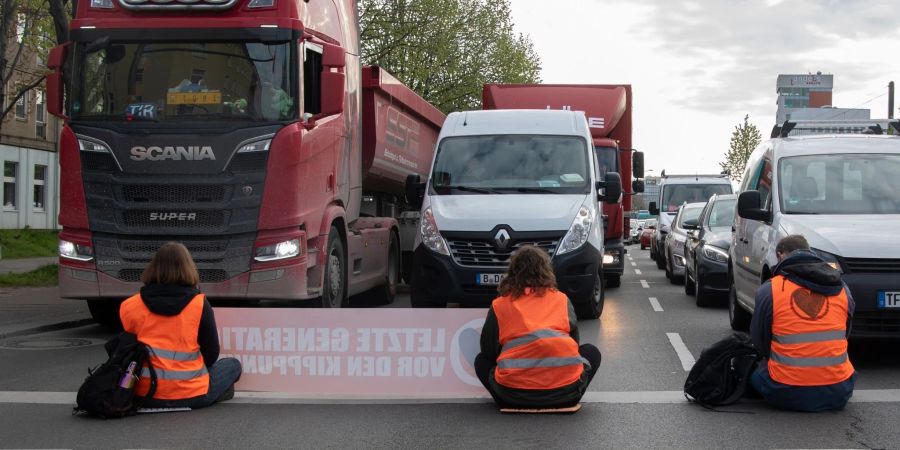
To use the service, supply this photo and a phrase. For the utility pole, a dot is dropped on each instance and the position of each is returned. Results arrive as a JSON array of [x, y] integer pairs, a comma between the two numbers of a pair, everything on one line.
[[891, 100]]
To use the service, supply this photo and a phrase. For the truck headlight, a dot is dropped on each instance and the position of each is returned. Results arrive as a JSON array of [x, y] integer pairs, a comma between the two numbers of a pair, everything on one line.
[[431, 235], [578, 233], [74, 251], [715, 254], [281, 250], [256, 146], [90, 145]]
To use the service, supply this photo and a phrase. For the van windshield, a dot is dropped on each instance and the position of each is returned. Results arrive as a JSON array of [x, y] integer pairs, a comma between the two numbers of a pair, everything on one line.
[[510, 164], [840, 184], [676, 194]]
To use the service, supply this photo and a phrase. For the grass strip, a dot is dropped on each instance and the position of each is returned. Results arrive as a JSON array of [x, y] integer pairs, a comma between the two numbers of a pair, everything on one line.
[[42, 276]]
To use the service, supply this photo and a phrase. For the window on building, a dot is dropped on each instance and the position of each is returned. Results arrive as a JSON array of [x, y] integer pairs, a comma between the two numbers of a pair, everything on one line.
[[40, 175], [9, 184], [40, 115], [21, 106]]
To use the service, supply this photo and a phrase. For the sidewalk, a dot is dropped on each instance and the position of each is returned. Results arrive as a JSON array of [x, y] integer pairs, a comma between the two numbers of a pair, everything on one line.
[[23, 265]]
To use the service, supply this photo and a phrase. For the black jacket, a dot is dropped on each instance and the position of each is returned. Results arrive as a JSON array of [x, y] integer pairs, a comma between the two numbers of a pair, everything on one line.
[[170, 300]]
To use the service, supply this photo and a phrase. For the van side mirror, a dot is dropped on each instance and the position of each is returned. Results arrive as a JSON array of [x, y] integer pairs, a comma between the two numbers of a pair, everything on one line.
[[690, 224], [612, 188], [637, 186], [333, 80], [55, 81], [637, 165], [653, 209], [749, 203], [415, 190]]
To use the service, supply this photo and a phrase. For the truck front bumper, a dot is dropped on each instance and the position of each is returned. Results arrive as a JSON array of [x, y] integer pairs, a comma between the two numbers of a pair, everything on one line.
[[438, 280]]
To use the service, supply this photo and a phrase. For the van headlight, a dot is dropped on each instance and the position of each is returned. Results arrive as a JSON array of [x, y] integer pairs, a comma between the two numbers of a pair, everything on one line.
[[578, 233], [830, 259], [431, 235], [281, 250]]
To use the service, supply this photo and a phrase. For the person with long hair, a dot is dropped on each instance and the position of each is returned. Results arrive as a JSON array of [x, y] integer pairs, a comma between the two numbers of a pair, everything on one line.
[[530, 357], [174, 319]]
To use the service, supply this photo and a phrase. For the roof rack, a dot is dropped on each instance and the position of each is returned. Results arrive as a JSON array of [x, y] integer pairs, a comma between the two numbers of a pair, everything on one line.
[[696, 175], [836, 127]]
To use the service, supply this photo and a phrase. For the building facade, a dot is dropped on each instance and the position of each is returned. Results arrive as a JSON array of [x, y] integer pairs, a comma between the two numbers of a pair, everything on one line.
[[799, 91]]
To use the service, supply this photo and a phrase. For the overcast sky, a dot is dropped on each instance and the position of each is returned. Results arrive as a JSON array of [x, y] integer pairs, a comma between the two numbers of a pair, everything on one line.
[[698, 66]]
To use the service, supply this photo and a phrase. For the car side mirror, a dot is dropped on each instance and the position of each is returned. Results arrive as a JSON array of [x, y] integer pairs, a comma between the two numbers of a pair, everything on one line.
[[690, 224], [637, 186], [749, 203], [611, 186], [415, 190], [637, 166], [333, 80], [653, 209]]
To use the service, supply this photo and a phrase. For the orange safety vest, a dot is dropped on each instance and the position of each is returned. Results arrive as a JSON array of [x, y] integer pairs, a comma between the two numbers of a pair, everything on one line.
[[537, 351], [809, 336], [175, 352]]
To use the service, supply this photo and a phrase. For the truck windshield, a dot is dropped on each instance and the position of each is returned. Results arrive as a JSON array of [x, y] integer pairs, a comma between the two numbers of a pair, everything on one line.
[[840, 184], [178, 82], [676, 194], [607, 160], [511, 164]]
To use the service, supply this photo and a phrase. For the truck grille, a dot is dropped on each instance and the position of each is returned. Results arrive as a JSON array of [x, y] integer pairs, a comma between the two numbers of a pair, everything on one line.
[[872, 265], [98, 162], [184, 193], [206, 275], [201, 219], [249, 162], [481, 253]]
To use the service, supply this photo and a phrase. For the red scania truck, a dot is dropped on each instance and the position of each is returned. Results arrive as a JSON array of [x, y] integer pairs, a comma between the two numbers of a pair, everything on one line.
[[245, 129], [608, 111]]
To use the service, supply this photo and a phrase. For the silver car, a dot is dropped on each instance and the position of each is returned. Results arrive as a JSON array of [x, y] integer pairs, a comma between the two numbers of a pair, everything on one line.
[[674, 244]]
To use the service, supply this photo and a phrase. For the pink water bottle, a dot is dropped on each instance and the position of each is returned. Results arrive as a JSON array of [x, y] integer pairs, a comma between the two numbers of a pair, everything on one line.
[[127, 381]]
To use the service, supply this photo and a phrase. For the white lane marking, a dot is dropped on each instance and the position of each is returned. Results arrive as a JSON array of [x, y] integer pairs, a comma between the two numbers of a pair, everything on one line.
[[687, 359], [290, 398], [644, 284], [633, 264], [637, 271], [655, 303]]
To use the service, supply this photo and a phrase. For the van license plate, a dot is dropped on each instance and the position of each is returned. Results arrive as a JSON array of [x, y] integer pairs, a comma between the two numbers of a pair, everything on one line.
[[888, 300], [489, 279]]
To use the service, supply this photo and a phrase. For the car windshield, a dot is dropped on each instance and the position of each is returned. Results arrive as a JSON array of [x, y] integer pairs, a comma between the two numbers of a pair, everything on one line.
[[840, 184], [688, 213], [183, 81], [511, 164], [721, 215], [676, 194]]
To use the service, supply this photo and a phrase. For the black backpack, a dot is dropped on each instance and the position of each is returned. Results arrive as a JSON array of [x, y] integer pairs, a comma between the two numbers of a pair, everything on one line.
[[102, 393], [721, 375]]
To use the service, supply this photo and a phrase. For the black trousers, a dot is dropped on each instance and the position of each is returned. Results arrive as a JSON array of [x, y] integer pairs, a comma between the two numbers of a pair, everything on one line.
[[484, 367]]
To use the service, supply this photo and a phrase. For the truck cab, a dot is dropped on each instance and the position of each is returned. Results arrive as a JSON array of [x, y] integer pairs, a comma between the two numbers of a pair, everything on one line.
[[501, 180]]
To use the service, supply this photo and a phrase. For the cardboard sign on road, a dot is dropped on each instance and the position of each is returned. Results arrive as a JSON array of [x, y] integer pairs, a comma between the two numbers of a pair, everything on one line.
[[354, 352]]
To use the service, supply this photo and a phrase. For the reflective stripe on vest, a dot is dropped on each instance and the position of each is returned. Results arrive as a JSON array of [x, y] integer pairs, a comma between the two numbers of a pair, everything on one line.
[[177, 356], [531, 337], [174, 374], [539, 362], [809, 343]]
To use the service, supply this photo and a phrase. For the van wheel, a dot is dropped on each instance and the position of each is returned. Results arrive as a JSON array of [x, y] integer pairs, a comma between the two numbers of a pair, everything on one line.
[[106, 313], [385, 294], [592, 307], [739, 318], [334, 290]]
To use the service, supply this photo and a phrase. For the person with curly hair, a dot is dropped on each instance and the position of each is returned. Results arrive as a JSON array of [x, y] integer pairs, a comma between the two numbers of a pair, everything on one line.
[[530, 357]]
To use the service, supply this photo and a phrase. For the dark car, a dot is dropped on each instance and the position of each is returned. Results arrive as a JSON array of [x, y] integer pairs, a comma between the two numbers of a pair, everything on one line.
[[706, 250], [647, 233]]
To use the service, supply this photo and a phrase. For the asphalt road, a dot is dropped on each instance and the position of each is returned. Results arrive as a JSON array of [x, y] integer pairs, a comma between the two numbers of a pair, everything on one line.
[[633, 402]]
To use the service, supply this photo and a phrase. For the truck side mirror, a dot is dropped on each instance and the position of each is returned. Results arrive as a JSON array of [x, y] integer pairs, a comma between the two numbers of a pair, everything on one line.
[[637, 165], [415, 190], [653, 209], [749, 203], [55, 81], [612, 188], [333, 80], [637, 186]]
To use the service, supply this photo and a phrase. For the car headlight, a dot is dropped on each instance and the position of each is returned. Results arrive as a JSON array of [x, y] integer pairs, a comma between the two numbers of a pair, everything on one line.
[[830, 259], [431, 235], [74, 251], [579, 231], [281, 250], [715, 254]]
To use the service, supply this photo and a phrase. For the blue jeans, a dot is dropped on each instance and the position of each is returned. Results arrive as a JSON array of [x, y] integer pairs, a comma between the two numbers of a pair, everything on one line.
[[222, 376], [801, 398]]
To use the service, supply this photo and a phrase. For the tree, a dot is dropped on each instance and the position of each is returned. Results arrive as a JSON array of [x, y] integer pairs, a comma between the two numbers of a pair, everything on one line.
[[445, 50], [745, 138]]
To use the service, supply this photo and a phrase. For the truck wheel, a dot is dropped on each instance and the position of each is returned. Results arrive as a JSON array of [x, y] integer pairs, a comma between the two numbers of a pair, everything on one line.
[[334, 289], [613, 281], [592, 307], [106, 313], [385, 294], [740, 319]]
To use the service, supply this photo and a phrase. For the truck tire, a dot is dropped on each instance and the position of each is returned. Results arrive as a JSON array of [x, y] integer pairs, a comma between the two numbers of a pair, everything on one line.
[[385, 294], [592, 307], [613, 281], [106, 313], [334, 285], [739, 319]]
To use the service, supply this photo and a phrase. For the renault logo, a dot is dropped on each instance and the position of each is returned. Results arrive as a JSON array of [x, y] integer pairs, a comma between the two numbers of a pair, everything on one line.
[[501, 239]]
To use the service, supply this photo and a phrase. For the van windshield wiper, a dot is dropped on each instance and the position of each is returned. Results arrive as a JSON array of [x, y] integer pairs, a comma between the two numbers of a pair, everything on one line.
[[536, 190], [468, 189]]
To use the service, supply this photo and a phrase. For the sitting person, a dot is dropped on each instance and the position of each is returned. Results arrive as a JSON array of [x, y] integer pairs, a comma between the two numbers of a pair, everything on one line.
[[800, 325], [530, 356], [173, 318]]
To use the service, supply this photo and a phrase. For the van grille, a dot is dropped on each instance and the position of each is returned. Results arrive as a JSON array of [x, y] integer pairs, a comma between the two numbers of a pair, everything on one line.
[[872, 265], [481, 253], [876, 323]]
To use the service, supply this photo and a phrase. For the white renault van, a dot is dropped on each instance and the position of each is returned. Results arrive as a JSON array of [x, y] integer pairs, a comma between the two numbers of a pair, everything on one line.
[[842, 193], [500, 180]]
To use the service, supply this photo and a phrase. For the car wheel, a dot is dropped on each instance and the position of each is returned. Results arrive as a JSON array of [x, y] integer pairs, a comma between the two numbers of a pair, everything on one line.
[[739, 318], [660, 260], [592, 307], [689, 286]]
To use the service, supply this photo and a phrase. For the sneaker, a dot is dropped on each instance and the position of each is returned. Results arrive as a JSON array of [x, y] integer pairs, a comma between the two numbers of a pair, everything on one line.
[[227, 395]]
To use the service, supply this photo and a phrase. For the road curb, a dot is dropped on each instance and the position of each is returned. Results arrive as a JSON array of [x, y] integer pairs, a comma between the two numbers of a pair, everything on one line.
[[46, 328]]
